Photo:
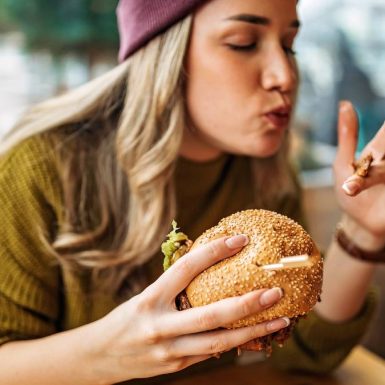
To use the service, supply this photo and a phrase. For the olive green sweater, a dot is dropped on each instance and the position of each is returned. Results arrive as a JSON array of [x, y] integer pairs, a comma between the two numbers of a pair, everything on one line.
[[39, 297]]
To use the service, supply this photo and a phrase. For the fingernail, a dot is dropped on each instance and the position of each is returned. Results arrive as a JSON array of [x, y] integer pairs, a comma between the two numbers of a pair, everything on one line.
[[351, 187], [271, 296], [237, 241], [278, 324]]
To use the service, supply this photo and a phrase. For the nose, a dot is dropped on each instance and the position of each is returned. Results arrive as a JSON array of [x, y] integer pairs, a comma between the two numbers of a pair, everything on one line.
[[280, 71]]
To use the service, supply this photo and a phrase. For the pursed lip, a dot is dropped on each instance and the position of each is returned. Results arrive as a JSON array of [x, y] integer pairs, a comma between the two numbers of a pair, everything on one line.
[[280, 116]]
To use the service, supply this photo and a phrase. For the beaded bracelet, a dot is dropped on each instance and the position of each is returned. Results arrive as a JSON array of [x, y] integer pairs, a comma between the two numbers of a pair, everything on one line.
[[355, 251]]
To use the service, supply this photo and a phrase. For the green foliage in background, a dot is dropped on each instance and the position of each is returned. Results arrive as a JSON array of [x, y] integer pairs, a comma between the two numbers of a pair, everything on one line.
[[61, 25], [5, 18]]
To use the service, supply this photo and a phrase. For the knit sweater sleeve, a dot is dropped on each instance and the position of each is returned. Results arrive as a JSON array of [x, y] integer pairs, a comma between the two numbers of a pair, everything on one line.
[[319, 346], [29, 274]]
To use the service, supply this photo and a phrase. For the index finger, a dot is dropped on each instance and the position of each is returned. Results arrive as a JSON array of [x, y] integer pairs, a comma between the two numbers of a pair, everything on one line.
[[347, 134], [179, 275]]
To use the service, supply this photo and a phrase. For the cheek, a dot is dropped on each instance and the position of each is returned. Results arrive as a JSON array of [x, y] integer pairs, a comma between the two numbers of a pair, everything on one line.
[[217, 91]]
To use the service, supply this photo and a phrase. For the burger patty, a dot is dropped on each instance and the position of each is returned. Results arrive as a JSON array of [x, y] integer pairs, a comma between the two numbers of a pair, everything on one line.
[[265, 342], [182, 302], [258, 344]]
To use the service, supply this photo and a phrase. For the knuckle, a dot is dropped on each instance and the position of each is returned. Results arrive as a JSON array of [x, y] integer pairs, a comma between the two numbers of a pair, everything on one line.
[[218, 345], [213, 249], [264, 330], [183, 267], [143, 305], [246, 307], [179, 364], [261, 330], [163, 354], [152, 335], [257, 331], [207, 320], [151, 292], [146, 301]]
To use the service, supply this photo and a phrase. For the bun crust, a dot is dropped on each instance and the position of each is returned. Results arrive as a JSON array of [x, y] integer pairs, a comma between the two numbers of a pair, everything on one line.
[[272, 236]]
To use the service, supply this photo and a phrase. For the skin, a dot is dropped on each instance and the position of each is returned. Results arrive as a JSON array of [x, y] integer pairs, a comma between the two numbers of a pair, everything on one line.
[[228, 89], [227, 107], [363, 221], [146, 336]]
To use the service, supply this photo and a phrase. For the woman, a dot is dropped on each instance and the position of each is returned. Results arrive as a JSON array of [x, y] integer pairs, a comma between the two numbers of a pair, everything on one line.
[[196, 113]]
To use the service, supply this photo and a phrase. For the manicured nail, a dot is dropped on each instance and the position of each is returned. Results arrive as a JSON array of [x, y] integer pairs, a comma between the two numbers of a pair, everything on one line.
[[237, 241], [278, 324], [271, 296], [351, 187]]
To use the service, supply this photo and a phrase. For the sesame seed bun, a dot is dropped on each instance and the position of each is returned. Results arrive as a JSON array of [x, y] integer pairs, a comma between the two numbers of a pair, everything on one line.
[[271, 237]]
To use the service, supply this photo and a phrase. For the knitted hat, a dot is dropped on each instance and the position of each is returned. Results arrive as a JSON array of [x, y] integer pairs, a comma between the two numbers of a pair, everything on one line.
[[141, 20]]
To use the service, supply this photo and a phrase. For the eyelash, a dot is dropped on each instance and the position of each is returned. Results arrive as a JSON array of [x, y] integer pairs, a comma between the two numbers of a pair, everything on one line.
[[253, 46], [245, 48], [290, 51]]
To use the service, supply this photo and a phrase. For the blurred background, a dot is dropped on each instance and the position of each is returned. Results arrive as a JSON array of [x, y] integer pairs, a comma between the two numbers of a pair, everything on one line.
[[50, 46]]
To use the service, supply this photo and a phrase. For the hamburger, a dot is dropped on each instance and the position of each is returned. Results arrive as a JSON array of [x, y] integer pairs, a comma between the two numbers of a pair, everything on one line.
[[280, 253]]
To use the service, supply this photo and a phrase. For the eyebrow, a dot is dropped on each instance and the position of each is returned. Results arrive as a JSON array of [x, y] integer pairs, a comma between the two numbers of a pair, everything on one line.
[[261, 20]]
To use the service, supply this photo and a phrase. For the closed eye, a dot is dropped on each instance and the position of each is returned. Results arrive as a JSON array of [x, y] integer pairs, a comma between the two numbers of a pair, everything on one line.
[[237, 47]]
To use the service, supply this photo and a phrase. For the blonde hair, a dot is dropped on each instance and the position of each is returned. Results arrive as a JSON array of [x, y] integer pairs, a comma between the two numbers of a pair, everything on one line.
[[118, 139]]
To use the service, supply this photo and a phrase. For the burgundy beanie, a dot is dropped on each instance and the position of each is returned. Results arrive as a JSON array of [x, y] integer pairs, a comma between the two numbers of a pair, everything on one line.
[[141, 20]]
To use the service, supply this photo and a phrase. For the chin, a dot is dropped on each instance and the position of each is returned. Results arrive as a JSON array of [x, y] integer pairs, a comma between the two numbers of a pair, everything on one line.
[[267, 151], [260, 147], [263, 146], [262, 153]]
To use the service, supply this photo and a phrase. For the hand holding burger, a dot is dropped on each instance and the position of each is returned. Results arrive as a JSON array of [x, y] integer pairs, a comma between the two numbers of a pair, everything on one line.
[[239, 285], [147, 336], [280, 254]]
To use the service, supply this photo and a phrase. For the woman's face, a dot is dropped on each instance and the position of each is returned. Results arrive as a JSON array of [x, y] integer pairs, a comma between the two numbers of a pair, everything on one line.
[[241, 78]]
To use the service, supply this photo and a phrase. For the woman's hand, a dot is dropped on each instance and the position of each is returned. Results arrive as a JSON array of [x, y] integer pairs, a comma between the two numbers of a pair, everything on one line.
[[361, 198], [147, 336]]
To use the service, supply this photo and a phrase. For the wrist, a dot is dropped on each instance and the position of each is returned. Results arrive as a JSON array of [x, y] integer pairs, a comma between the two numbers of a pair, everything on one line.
[[358, 243], [93, 348], [361, 237]]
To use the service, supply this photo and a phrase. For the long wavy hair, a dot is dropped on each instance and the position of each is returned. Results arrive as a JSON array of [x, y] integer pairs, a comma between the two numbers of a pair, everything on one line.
[[117, 141]]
